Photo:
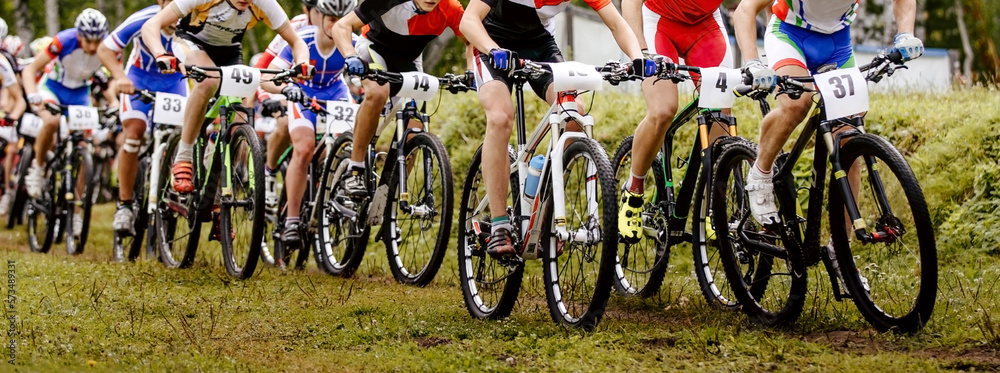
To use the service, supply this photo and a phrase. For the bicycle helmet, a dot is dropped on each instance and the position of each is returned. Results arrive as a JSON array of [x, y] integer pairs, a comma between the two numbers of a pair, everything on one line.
[[336, 8], [38, 46], [3, 28], [12, 44], [309, 3], [91, 24]]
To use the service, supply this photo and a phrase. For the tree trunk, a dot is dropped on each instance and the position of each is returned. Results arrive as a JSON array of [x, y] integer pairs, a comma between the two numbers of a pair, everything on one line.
[[24, 28], [966, 46], [52, 17]]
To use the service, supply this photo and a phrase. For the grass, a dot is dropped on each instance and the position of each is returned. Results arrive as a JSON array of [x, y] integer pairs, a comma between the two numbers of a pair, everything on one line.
[[84, 313]]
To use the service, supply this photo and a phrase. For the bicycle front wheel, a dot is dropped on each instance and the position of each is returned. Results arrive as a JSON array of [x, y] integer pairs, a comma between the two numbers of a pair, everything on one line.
[[580, 249], [176, 223], [416, 235], [41, 219], [78, 214], [641, 266], [16, 215], [130, 247], [489, 285], [893, 280], [242, 220], [342, 237], [767, 275], [708, 265]]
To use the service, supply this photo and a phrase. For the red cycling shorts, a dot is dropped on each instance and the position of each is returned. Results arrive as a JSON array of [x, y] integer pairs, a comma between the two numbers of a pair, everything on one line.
[[702, 44]]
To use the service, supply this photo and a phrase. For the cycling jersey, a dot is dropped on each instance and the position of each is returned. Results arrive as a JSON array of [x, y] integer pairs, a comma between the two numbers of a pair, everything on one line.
[[279, 43], [398, 31], [216, 23], [7, 77], [328, 67], [523, 24], [684, 11], [12, 61], [786, 44], [73, 67], [140, 58], [824, 16]]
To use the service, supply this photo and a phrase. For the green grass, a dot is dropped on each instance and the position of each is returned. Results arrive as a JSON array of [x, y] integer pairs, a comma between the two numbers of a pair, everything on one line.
[[72, 311]]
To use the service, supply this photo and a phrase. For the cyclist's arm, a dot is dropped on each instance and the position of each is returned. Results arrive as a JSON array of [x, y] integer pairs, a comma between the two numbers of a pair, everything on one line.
[[109, 58], [30, 71], [745, 25], [299, 48], [632, 12], [342, 33], [473, 29], [268, 85], [905, 11], [151, 29], [470, 59], [621, 31], [15, 95]]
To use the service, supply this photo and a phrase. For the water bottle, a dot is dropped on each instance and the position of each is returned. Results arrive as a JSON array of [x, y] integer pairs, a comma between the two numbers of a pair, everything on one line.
[[534, 172]]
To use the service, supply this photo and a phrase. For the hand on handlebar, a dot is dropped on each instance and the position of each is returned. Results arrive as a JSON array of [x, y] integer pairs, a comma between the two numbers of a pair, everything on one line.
[[293, 93], [502, 59], [167, 63], [355, 66], [35, 99], [910, 47], [7, 121], [271, 108], [760, 76], [305, 71]]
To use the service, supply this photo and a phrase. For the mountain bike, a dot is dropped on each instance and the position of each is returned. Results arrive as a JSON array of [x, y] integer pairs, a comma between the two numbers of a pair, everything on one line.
[[889, 266], [28, 129], [228, 159], [63, 209], [412, 197], [166, 121], [642, 265], [105, 152], [567, 221], [334, 118]]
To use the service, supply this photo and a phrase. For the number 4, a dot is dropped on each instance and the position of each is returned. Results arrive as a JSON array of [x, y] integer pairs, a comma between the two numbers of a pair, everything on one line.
[[722, 83]]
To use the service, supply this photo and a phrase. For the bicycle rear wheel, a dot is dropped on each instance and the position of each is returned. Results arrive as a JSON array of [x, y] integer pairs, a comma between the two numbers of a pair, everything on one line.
[[42, 219], [579, 268], [130, 247], [489, 285], [416, 238], [894, 280], [767, 276], [83, 189], [708, 265], [641, 266], [242, 220], [175, 220], [342, 237], [17, 215]]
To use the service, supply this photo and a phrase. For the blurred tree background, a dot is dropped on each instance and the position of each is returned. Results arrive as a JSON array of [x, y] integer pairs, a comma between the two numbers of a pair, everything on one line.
[[971, 27]]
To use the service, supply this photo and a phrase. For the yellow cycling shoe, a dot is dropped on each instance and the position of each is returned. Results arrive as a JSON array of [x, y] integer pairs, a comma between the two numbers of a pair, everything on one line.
[[630, 217]]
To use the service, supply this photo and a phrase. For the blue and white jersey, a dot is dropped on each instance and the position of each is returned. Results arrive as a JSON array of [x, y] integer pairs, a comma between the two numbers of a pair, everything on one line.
[[129, 31], [73, 68], [328, 67]]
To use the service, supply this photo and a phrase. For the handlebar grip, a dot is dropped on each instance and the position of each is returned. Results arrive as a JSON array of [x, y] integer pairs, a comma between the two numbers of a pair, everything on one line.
[[742, 90], [747, 78], [895, 57]]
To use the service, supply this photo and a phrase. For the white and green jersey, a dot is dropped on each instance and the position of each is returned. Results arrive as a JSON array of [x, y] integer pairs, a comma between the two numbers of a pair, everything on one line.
[[824, 16]]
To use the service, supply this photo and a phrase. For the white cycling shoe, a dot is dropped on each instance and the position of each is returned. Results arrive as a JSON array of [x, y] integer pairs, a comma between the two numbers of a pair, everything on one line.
[[760, 192], [34, 181]]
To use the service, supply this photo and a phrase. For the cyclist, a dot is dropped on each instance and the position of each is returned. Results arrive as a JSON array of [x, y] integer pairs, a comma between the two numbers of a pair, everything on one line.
[[502, 31], [212, 29], [326, 84], [13, 104], [394, 35], [75, 53], [691, 30], [141, 73], [801, 39]]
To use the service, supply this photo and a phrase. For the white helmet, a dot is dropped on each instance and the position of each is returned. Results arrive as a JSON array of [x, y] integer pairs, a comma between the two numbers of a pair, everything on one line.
[[38, 46], [91, 24], [3, 28], [336, 8], [12, 44]]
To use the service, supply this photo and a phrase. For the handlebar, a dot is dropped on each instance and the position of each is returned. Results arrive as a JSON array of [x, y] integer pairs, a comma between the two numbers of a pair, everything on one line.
[[884, 64], [450, 82], [200, 73]]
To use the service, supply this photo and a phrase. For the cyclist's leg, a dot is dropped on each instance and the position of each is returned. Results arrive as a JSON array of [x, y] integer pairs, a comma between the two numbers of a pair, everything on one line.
[[46, 136], [368, 117], [303, 136], [277, 142], [197, 105], [710, 49], [134, 122]]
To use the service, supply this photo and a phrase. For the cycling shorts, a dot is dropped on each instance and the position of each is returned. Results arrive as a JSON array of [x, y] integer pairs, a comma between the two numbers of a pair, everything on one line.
[[132, 106], [366, 51], [300, 116], [702, 44], [786, 44], [546, 52], [227, 55], [57, 93]]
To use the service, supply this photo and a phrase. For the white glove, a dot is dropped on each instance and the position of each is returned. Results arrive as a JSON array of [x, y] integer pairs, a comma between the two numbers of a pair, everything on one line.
[[909, 46], [35, 99], [763, 77]]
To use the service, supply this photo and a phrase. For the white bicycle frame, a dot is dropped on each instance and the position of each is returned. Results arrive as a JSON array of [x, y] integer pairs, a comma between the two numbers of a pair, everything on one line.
[[160, 135], [555, 120]]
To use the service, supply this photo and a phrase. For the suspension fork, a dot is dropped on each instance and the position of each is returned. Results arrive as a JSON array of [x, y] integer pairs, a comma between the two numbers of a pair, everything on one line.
[[843, 185]]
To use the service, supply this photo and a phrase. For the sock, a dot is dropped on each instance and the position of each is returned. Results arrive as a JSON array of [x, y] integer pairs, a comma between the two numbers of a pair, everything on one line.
[[126, 203], [501, 222], [760, 170], [291, 220], [269, 172], [185, 152], [354, 164], [636, 183]]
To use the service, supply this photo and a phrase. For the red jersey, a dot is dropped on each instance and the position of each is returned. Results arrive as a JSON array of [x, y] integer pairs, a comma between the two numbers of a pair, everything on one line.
[[685, 11]]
